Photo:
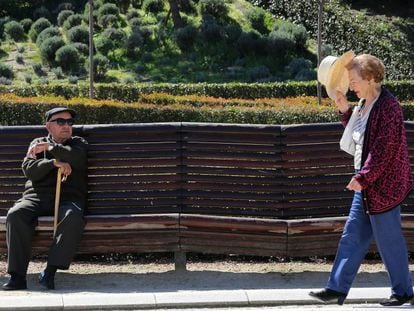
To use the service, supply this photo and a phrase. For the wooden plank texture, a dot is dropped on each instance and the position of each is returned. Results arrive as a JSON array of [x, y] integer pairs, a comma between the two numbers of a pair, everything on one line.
[[265, 190]]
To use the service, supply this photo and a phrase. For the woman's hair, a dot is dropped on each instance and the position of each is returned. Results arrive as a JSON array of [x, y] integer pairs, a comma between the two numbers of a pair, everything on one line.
[[368, 67]]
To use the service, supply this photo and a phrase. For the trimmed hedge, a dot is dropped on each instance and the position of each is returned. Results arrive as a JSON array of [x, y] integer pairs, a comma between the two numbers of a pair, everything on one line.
[[15, 110], [404, 90]]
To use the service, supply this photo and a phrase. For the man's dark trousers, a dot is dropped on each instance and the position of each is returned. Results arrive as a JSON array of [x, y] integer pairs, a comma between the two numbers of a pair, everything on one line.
[[21, 222]]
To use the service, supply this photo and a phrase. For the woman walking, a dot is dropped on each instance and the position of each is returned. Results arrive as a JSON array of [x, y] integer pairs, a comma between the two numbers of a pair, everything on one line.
[[375, 135]]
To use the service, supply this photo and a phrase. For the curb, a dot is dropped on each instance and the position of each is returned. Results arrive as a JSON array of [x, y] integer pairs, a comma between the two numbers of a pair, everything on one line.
[[178, 299]]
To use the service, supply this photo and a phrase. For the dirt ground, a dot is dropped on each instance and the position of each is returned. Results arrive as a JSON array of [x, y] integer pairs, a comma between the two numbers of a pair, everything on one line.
[[158, 263], [155, 273]]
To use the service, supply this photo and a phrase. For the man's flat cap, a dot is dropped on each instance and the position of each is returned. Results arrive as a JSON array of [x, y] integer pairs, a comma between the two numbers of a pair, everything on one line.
[[56, 110]]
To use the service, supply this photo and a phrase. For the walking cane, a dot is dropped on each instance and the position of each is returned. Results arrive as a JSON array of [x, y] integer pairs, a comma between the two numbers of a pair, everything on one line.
[[57, 200]]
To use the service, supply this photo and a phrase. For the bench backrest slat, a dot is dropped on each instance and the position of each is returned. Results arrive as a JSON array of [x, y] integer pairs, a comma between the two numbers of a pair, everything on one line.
[[269, 171]]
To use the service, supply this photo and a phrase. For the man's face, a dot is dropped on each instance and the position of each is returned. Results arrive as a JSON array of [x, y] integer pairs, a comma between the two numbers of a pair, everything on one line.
[[58, 126]]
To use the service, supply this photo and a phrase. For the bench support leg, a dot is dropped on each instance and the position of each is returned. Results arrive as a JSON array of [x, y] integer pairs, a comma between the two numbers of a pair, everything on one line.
[[180, 261]]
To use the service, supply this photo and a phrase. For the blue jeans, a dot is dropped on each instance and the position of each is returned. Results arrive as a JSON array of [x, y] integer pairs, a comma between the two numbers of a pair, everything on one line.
[[356, 238]]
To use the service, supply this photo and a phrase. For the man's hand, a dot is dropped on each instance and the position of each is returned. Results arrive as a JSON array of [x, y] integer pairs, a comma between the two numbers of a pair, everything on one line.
[[354, 185], [65, 168], [37, 148], [341, 102]]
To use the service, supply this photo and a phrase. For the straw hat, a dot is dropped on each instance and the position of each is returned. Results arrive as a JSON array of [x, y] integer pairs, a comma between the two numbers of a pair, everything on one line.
[[333, 74]]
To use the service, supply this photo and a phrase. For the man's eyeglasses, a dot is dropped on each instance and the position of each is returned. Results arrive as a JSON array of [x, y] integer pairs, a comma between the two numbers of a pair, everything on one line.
[[62, 122]]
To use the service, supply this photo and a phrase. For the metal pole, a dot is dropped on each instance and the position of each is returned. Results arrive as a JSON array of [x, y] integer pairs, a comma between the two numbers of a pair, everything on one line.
[[91, 68], [320, 16]]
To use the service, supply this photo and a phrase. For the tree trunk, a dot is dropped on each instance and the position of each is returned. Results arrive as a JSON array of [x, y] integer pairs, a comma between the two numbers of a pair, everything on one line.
[[175, 14]]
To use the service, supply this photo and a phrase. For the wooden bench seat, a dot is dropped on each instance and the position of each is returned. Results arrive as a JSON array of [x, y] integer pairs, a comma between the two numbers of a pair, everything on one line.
[[113, 233], [233, 235]]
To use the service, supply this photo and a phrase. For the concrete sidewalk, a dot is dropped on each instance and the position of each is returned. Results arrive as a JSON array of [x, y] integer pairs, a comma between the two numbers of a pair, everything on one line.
[[121, 291], [59, 300]]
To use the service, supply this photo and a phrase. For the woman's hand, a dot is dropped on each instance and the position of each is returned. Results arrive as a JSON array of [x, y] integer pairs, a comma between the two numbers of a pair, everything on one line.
[[354, 185], [341, 102]]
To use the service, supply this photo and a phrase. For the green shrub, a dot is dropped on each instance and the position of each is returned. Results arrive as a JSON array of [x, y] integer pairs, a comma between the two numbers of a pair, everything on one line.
[[5, 81], [82, 48], [41, 12], [232, 33], [134, 44], [136, 3], [26, 23], [306, 74], [67, 57], [186, 37], [298, 64], [14, 31], [211, 31], [153, 6], [73, 79], [135, 23], [104, 45], [216, 8], [44, 80], [108, 20], [37, 27], [6, 71], [123, 5], [78, 34], [259, 72], [38, 70], [65, 6], [19, 59], [48, 49], [114, 34], [46, 34], [146, 33], [187, 7], [58, 72], [3, 21], [257, 18], [72, 21], [63, 16], [108, 9], [281, 41], [248, 43], [109, 40], [297, 32], [101, 66], [131, 14], [128, 80], [28, 78]]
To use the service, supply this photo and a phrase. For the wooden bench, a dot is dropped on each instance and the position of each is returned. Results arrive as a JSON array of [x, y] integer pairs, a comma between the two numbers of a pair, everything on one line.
[[196, 187], [133, 187]]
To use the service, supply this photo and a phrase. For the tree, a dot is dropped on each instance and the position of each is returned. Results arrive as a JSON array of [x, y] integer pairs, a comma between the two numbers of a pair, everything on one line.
[[175, 14], [19, 8]]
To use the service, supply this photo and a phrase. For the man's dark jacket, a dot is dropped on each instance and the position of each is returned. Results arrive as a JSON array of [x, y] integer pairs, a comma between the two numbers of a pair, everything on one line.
[[41, 172]]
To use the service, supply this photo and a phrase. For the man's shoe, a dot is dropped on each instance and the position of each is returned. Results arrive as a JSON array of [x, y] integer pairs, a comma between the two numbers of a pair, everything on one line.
[[329, 296], [16, 282], [46, 280], [396, 300]]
